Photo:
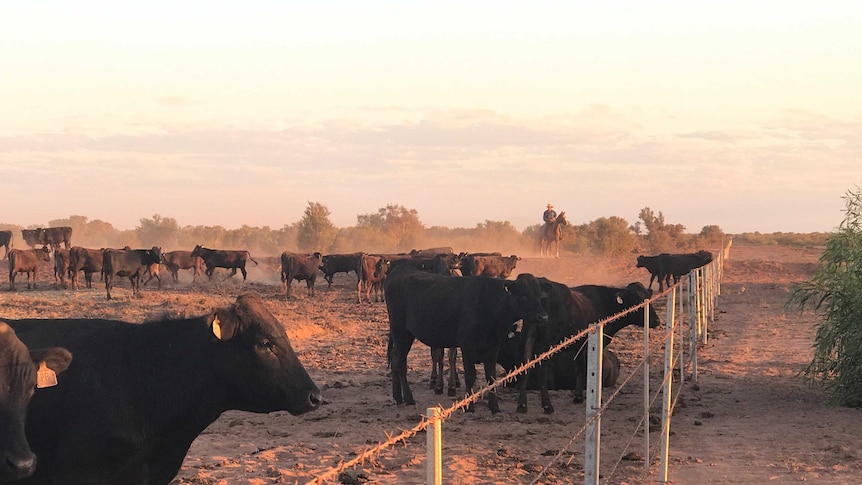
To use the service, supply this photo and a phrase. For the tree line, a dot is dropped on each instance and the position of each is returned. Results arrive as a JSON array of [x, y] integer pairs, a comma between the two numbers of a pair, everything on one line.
[[393, 228]]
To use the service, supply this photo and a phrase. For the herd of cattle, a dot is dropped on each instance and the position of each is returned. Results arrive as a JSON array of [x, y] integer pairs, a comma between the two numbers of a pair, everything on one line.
[[130, 402]]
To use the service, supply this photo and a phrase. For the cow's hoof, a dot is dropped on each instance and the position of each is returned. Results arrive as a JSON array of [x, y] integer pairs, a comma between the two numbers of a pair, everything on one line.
[[522, 408], [548, 409], [438, 391], [451, 392], [496, 411], [577, 399]]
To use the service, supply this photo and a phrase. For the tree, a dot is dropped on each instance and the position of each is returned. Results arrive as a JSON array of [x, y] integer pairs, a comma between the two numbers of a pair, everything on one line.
[[611, 236], [660, 237], [836, 293], [158, 231], [315, 232], [400, 225], [711, 236]]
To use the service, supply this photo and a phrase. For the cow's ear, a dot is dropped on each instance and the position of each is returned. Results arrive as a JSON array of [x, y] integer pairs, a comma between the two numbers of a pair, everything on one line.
[[619, 298], [224, 325], [55, 358]]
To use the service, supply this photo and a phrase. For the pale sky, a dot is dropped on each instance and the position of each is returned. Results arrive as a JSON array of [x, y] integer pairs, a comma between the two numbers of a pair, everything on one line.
[[744, 114]]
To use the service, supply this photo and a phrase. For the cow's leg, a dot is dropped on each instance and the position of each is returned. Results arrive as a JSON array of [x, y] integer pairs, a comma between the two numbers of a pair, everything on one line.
[[109, 278], [309, 286], [453, 371], [490, 377], [244, 272], [11, 281], [578, 393], [468, 357], [437, 370], [398, 365], [542, 374]]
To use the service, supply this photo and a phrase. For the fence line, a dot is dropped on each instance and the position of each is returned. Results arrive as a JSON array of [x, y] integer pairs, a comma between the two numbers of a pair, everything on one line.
[[698, 298]]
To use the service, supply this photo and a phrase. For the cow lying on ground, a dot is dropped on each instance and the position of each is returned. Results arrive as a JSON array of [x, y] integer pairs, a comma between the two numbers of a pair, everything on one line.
[[87, 260], [26, 261], [133, 263], [473, 313], [137, 395], [224, 258], [177, 260], [571, 310], [299, 267], [6, 240], [339, 263], [19, 376]]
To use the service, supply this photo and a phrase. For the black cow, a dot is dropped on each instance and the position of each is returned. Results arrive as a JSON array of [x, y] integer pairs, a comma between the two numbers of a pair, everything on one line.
[[6, 240], [474, 313], [33, 237], [53, 236], [299, 267], [128, 262], [26, 261], [431, 252], [678, 265], [653, 265], [137, 395], [491, 265], [177, 260], [61, 266], [223, 258], [570, 311], [87, 260], [339, 263], [21, 371]]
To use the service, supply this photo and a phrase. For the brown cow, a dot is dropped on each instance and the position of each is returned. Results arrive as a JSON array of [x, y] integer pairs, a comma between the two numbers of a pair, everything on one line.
[[299, 267], [61, 266], [6, 240], [495, 266], [53, 236], [87, 260], [26, 261], [177, 260], [370, 276], [223, 258]]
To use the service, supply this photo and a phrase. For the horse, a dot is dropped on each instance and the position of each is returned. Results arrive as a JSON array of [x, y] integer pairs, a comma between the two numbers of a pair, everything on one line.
[[551, 234]]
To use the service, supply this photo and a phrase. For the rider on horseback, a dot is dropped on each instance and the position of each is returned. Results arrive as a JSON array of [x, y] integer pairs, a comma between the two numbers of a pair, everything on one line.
[[550, 215]]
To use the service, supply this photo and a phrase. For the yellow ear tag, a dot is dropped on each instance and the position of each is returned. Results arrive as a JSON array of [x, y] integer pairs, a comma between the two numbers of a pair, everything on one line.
[[217, 327], [45, 377]]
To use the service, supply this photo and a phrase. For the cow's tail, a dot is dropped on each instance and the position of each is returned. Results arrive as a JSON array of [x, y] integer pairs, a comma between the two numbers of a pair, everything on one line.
[[252, 259]]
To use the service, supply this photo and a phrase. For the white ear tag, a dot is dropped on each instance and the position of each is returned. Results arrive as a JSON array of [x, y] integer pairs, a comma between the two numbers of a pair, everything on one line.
[[217, 327], [619, 299], [45, 377]]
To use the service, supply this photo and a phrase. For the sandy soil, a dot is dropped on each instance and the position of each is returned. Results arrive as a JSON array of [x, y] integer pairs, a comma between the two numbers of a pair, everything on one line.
[[748, 419]]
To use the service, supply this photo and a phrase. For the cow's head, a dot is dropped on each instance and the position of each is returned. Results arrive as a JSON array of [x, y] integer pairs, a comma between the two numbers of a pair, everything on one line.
[[43, 254], [256, 361], [632, 295], [641, 260], [155, 255], [197, 251], [21, 371], [528, 298]]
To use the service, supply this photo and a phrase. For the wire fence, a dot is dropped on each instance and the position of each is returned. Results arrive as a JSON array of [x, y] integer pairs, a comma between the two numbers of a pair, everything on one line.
[[702, 287]]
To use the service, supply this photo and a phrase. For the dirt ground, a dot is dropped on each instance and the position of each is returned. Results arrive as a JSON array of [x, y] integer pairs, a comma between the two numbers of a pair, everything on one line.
[[748, 419]]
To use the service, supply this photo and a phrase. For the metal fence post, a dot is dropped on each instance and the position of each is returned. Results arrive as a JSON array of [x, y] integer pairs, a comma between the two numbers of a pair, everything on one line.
[[668, 386], [646, 387], [693, 323], [434, 443], [592, 438]]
